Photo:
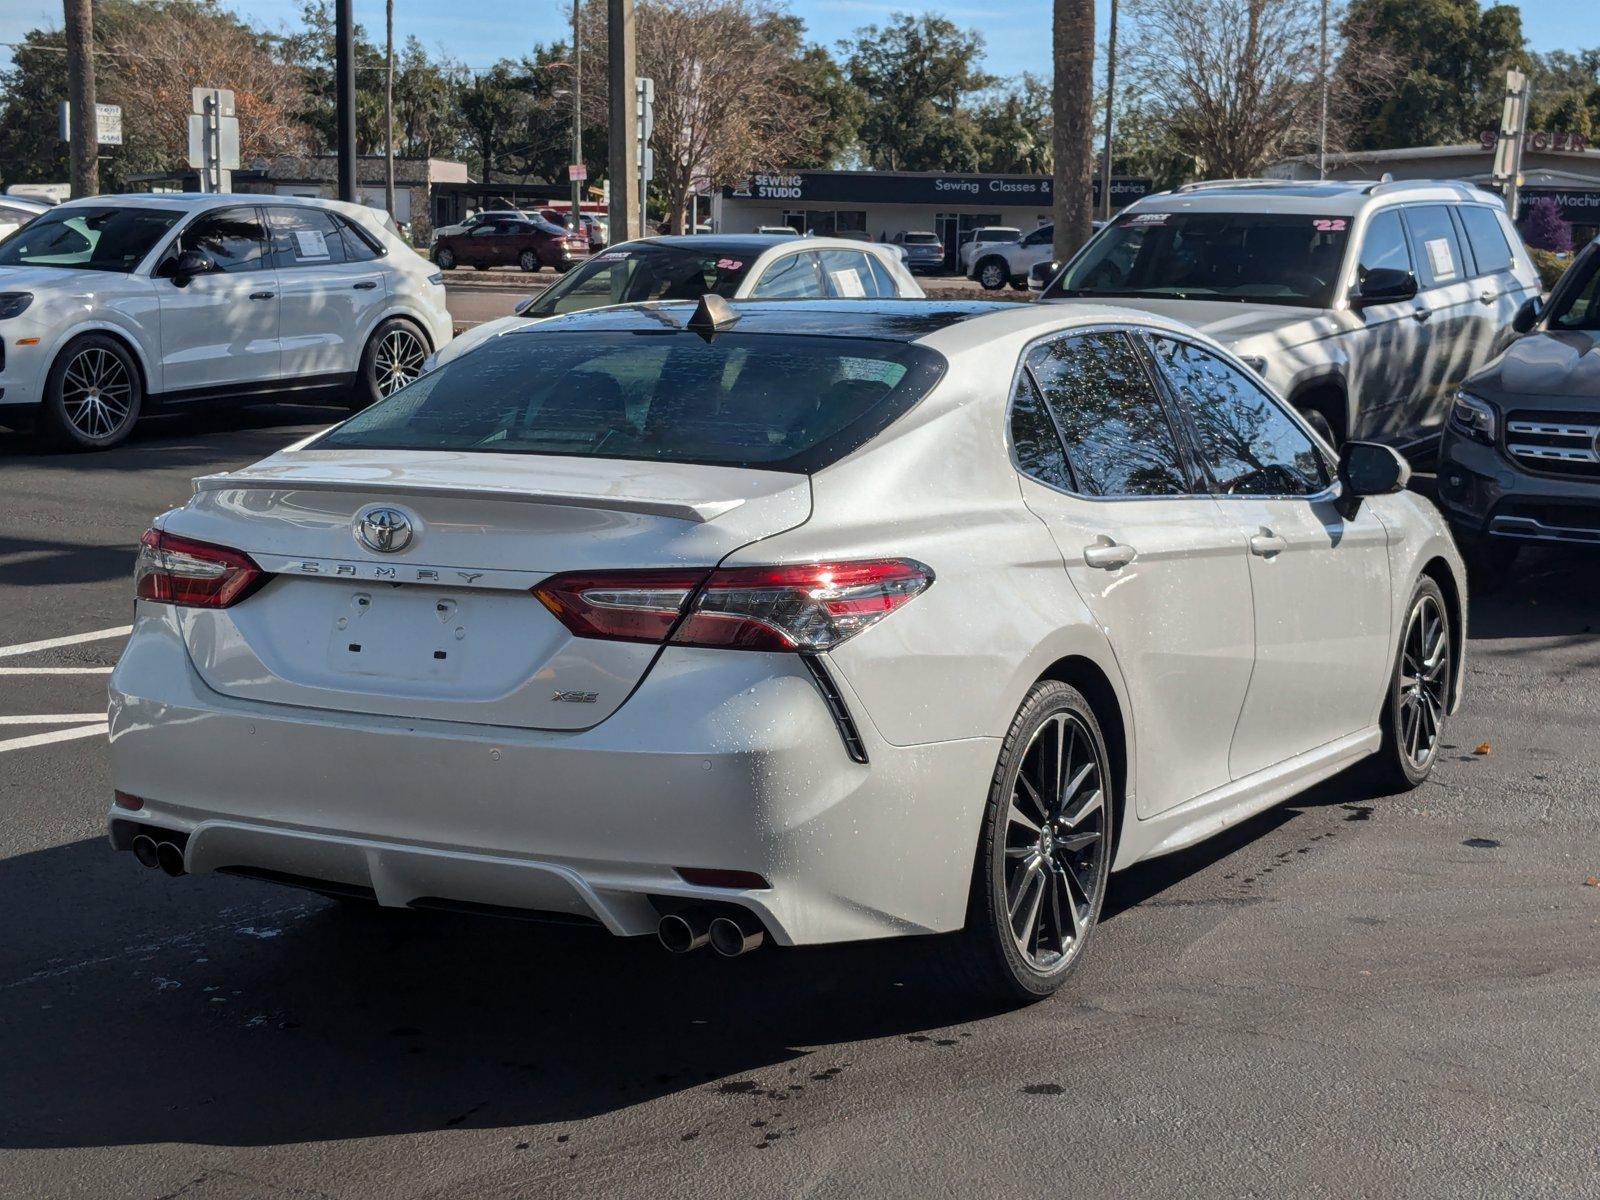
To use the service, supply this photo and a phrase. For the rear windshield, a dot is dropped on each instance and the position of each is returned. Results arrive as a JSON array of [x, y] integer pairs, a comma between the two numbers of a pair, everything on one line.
[[778, 401], [638, 273], [88, 238], [920, 239]]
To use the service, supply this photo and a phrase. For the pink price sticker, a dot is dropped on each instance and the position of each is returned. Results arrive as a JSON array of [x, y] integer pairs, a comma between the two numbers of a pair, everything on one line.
[[1330, 224], [729, 264]]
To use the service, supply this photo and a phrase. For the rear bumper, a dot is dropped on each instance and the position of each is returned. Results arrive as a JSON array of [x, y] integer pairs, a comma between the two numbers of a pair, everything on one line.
[[721, 759], [1485, 494]]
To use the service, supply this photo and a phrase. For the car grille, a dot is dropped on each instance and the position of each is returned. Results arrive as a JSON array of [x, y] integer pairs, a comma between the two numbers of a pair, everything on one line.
[[1557, 442]]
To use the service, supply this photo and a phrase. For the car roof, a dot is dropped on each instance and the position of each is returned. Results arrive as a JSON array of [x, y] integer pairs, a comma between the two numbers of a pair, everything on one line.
[[1343, 197], [743, 243], [951, 325], [196, 201]]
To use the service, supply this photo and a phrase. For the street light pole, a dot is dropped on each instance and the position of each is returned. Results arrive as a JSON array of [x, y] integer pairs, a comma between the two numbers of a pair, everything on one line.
[[84, 143], [577, 111], [1111, 92], [345, 96]]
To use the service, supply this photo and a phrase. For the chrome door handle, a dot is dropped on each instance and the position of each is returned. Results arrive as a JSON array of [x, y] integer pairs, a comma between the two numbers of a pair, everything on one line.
[[1267, 544], [1486, 297], [366, 285], [262, 295], [1107, 554]]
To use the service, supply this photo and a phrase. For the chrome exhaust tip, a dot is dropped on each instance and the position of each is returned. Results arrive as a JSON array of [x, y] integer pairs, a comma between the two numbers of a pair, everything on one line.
[[146, 851], [732, 936], [681, 932], [169, 857]]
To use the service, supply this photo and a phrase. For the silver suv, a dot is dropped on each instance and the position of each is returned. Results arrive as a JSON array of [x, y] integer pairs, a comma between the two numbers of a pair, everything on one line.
[[1364, 303]]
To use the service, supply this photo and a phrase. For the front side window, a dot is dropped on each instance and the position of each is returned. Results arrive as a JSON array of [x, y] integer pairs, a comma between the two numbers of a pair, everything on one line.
[[644, 273], [1114, 427], [89, 238], [1249, 444], [797, 277], [233, 239], [1434, 245], [1486, 237], [304, 237], [751, 400], [1248, 258], [1383, 248]]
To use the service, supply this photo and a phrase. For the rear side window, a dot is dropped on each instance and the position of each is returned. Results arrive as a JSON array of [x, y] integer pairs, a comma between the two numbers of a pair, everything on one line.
[[1114, 427], [304, 237], [750, 400], [848, 274], [1486, 237], [797, 277], [1434, 245], [880, 275], [1034, 439]]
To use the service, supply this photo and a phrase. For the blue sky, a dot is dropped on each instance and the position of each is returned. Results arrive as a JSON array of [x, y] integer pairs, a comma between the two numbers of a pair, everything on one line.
[[1017, 33]]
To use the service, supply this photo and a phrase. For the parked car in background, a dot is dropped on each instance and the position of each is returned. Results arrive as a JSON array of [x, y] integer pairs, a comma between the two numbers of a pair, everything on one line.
[[922, 250], [529, 244], [1366, 304], [1003, 263], [17, 211], [117, 305], [732, 266], [1520, 460], [473, 220], [695, 574], [976, 241], [779, 230]]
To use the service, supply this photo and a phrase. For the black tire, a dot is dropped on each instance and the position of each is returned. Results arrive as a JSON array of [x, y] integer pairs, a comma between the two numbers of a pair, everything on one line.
[[1019, 283], [1318, 420], [1415, 696], [529, 262], [92, 395], [377, 378], [445, 258], [992, 273], [1068, 852]]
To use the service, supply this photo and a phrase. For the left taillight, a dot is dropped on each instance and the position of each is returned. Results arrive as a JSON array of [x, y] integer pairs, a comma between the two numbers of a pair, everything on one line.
[[175, 570], [810, 607]]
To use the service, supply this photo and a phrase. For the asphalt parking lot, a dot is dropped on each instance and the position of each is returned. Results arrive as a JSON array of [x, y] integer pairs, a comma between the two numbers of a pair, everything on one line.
[[1350, 995]]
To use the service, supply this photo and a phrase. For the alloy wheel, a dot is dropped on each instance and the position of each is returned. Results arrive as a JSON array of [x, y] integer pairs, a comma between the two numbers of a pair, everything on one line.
[[96, 393], [1055, 842], [992, 276], [1424, 682], [398, 361]]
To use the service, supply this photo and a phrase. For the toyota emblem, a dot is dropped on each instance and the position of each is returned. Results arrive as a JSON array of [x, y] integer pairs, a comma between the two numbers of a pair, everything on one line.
[[384, 530]]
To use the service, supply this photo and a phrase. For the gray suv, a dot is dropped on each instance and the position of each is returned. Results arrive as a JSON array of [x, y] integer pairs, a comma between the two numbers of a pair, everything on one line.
[[1366, 304]]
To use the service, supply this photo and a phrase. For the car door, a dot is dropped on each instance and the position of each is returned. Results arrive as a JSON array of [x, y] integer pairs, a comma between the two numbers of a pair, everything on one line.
[[476, 248], [1495, 284], [327, 303], [219, 329], [1319, 581], [1390, 347], [791, 277], [1450, 302], [1153, 557]]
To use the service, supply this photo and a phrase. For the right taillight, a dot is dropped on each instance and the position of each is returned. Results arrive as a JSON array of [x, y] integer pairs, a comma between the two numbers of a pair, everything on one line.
[[175, 570], [809, 607]]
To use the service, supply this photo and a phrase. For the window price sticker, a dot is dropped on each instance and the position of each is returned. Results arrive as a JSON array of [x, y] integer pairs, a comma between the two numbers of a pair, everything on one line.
[[1440, 259], [310, 244]]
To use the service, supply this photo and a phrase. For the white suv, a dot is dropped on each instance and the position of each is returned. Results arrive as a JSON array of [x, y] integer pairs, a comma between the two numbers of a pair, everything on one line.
[[114, 305], [1001, 263], [1366, 304]]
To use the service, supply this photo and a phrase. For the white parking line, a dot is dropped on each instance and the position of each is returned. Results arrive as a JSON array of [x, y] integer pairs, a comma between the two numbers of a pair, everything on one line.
[[57, 735], [55, 670], [51, 718], [99, 635]]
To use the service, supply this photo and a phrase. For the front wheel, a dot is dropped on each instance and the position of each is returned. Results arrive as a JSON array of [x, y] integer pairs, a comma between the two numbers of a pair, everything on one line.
[[1044, 856], [1419, 693], [92, 394], [529, 262], [393, 358], [992, 274], [445, 257]]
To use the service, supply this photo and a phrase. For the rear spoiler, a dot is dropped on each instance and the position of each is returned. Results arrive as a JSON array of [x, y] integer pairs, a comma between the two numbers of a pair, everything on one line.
[[696, 511]]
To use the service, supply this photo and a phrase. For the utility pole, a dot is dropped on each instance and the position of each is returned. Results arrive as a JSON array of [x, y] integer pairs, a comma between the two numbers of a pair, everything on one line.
[[344, 70], [1072, 110], [1322, 123], [623, 149], [388, 107], [1111, 94], [577, 111], [85, 140]]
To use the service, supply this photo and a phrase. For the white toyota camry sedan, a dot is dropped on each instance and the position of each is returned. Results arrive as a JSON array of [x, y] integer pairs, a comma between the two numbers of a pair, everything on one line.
[[796, 623]]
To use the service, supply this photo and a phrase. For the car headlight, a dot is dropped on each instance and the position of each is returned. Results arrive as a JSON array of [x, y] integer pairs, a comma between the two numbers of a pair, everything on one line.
[[1474, 417], [14, 304]]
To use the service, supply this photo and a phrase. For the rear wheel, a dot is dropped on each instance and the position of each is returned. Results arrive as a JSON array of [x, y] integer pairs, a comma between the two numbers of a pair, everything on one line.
[[1419, 693], [92, 394], [529, 262], [1044, 856], [393, 358], [445, 257], [993, 274]]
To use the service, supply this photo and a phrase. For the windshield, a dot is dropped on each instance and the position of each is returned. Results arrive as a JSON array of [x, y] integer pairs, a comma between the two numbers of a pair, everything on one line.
[[1251, 258], [643, 273], [752, 400], [1578, 305], [999, 235], [88, 239]]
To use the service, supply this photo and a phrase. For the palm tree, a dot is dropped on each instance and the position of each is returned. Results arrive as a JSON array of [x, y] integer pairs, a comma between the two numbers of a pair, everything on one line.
[[1072, 104]]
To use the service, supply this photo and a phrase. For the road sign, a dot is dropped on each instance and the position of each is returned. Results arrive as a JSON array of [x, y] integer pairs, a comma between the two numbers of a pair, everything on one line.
[[1507, 169], [226, 145], [214, 138], [223, 97], [107, 120], [577, 171]]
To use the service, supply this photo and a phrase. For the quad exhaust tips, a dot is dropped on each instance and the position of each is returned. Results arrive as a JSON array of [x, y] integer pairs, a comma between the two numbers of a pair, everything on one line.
[[730, 932], [151, 853]]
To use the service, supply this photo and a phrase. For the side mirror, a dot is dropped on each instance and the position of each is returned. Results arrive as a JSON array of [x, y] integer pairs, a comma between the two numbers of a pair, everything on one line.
[[189, 264], [1369, 469], [1386, 285], [1528, 315]]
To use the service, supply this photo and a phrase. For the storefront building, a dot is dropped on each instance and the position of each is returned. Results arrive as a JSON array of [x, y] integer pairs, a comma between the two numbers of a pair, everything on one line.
[[1557, 166], [879, 204]]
